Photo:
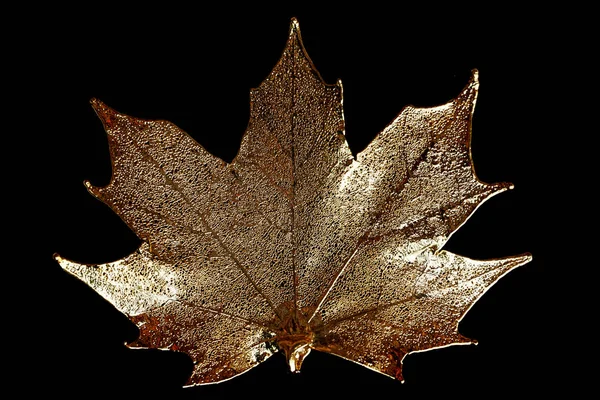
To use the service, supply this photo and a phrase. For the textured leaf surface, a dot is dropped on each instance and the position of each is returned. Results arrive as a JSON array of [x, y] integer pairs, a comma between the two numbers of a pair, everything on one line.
[[296, 245]]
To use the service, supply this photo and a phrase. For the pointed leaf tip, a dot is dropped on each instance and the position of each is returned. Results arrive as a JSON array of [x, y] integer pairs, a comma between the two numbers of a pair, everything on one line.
[[96, 104], [474, 80], [525, 258], [93, 190], [469, 93], [294, 25], [294, 30], [104, 112]]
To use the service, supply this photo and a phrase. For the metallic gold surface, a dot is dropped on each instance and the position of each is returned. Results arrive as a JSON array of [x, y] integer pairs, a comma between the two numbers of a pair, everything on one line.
[[295, 245]]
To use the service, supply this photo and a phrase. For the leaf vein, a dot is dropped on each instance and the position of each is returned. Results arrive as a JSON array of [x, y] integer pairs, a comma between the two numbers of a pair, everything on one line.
[[208, 228]]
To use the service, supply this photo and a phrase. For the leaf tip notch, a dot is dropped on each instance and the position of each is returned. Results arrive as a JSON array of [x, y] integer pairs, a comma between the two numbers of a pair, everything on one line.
[[108, 117]]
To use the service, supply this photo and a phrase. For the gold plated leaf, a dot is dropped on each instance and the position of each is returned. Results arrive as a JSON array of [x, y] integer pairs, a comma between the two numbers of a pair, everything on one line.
[[296, 245]]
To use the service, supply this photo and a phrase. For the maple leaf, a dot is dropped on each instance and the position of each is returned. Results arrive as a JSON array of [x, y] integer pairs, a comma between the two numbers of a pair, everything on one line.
[[296, 244]]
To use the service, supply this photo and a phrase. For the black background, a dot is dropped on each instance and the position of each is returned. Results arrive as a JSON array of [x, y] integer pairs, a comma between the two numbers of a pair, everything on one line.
[[195, 66]]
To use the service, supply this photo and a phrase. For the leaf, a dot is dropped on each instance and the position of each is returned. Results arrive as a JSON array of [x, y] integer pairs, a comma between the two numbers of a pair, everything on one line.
[[296, 245]]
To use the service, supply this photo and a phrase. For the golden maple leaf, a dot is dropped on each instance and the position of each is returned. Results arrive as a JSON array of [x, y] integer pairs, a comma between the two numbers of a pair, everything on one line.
[[296, 245]]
